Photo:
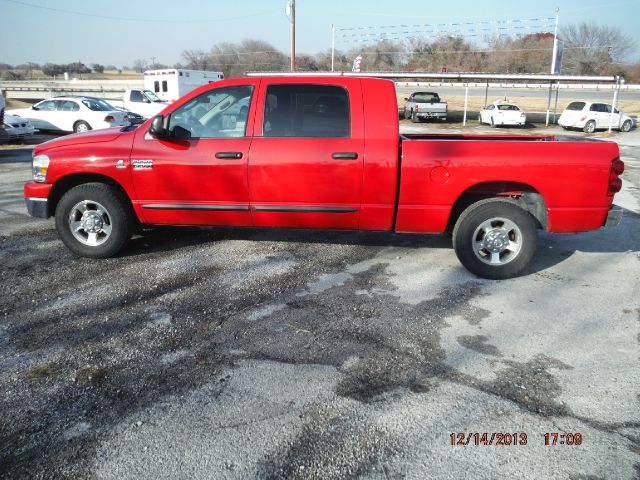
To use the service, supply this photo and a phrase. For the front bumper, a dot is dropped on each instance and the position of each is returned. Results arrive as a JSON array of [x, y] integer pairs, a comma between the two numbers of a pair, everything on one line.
[[613, 217], [36, 196], [37, 207]]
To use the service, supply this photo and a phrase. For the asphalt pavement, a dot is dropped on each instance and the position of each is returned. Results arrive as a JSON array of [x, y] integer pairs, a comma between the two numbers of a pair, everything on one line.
[[248, 353]]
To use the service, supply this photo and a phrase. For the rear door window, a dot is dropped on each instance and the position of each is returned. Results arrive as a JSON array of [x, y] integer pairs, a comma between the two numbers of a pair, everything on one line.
[[306, 111]]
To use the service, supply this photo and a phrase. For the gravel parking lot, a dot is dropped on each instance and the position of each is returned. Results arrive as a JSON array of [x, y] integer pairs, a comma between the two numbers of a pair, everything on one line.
[[245, 353]]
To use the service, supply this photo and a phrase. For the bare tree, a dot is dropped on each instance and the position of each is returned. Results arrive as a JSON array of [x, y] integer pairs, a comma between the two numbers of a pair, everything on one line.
[[195, 59], [234, 59], [140, 65], [529, 54], [593, 49]]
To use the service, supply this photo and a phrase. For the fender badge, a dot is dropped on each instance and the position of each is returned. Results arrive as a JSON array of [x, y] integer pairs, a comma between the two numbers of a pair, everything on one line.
[[120, 164], [142, 164]]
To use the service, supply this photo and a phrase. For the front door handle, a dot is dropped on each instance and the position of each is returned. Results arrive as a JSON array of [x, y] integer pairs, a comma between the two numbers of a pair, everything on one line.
[[344, 156], [232, 155]]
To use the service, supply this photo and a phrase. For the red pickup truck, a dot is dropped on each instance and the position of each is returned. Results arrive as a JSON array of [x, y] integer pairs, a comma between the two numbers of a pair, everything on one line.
[[325, 153]]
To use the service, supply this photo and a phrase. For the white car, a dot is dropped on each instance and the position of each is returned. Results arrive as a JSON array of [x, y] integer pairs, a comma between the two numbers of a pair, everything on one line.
[[590, 116], [16, 127], [499, 113], [73, 114]]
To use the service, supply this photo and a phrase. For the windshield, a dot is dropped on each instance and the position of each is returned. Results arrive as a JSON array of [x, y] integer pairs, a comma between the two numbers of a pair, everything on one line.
[[151, 96], [97, 105]]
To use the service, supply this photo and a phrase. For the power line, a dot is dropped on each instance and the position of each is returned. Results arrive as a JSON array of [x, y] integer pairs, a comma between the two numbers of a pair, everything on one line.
[[129, 19]]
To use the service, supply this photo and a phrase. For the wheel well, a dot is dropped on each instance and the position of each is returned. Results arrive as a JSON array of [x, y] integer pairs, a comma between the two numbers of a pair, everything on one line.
[[65, 184], [527, 197]]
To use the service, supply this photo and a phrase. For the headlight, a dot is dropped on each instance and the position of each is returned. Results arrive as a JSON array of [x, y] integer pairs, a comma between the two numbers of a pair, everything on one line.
[[39, 166]]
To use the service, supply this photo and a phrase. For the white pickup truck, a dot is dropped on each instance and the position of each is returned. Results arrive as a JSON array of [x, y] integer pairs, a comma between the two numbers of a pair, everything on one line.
[[425, 105], [142, 102]]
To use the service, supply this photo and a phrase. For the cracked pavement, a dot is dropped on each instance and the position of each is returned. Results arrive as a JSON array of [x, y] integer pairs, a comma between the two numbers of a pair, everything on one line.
[[247, 353]]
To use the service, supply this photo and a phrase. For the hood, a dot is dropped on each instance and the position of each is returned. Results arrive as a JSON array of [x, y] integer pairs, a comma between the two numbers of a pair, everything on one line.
[[92, 136]]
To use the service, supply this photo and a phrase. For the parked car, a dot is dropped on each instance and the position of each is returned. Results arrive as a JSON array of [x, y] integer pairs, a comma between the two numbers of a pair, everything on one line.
[[590, 116], [133, 117], [16, 127], [425, 105], [502, 113], [321, 153], [72, 114], [143, 102]]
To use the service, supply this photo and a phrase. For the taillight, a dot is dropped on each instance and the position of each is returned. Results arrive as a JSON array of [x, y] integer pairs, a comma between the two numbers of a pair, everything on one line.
[[417, 107], [109, 118], [615, 184], [446, 107]]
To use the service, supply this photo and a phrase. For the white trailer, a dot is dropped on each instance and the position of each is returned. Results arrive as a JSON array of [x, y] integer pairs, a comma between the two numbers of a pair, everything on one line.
[[172, 83]]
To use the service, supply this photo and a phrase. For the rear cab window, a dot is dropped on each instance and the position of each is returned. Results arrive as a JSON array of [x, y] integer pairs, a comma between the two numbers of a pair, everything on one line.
[[306, 111]]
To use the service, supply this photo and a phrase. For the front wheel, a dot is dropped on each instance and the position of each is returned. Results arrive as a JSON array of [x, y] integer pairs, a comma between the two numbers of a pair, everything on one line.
[[93, 220], [626, 126], [495, 238]]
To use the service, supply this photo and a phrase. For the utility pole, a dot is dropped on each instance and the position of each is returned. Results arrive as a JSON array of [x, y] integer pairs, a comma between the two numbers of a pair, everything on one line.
[[293, 35], [153, 61], [333, 44], [554, 56]]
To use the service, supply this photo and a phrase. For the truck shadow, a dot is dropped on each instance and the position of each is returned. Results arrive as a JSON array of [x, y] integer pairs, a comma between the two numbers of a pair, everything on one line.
[[553, 249]]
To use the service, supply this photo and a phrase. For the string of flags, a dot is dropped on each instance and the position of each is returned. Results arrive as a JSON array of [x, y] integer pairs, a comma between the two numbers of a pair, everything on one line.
[[482, 30]]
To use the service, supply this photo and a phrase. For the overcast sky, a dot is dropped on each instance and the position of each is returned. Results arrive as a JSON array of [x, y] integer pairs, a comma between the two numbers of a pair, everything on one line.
[[118, 32]]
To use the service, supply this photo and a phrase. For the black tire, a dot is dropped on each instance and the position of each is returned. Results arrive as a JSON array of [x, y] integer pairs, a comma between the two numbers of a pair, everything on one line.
[[101, 202], [500, 213], [414, 117], [626, 126], [590, 126], [493, 125], [407, 114], [480, 119], [81, 126]]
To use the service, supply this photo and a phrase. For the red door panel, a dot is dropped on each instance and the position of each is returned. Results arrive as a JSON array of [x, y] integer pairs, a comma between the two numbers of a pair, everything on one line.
[[307, 182], [199, 176]]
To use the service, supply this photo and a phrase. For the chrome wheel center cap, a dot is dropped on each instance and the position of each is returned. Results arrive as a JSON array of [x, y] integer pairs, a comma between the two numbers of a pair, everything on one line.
[[91, 222], [495, 240]]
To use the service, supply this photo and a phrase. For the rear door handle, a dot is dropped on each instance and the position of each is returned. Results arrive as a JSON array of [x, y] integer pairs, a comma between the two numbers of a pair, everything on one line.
[[344, 156], [232, 155]]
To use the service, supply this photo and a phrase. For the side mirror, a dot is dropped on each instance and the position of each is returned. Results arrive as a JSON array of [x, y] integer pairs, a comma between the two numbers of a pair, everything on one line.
[[158, 128], [406, 98], [33, 107]]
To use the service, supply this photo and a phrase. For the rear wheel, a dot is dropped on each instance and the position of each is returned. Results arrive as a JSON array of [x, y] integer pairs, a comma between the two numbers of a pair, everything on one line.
[[590, 126], [81, 126], [493, 125], [407, 114], [93, 220], [626, 126], [495, 238], [414, 117]]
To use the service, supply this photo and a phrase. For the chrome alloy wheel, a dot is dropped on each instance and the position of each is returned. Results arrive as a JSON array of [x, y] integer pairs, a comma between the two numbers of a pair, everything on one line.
[[497, 241], [90, 223]]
